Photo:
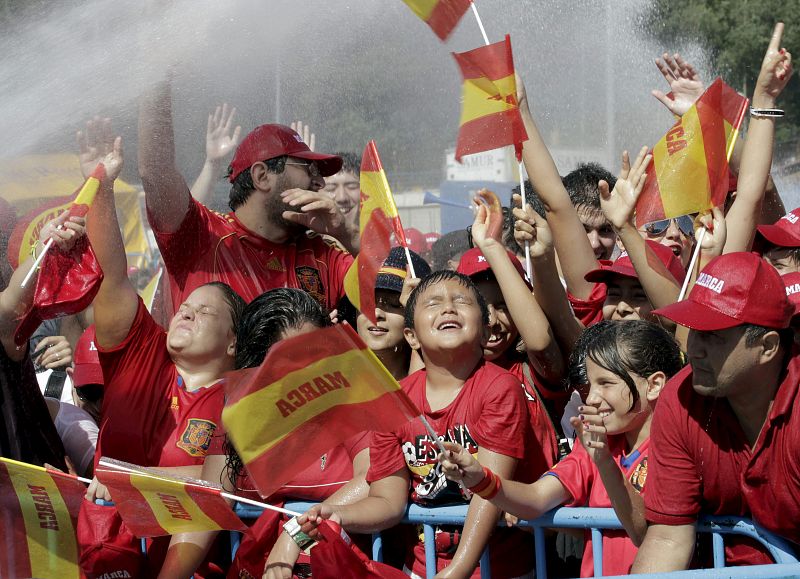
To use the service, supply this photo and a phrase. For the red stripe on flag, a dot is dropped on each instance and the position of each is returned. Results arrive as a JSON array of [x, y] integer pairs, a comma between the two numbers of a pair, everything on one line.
[[494, 61], [445, 16], [649, 206], [370, 161], [713, 127], [139, 518], [375, 241], [490, 132], [312, 439], [14, 558], [214, 506]]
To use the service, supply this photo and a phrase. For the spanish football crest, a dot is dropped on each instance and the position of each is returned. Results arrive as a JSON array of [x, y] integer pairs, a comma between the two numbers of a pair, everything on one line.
[[196, 438]]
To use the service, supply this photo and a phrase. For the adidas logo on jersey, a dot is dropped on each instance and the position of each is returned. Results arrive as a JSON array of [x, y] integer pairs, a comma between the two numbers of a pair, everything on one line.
[[275, 264]]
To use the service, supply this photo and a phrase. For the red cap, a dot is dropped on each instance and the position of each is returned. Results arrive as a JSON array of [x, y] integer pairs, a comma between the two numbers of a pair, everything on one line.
[[431, 238], [792, 283], [623, 265], [107, 547], [734, 289], [785, 232], [415, 240], [87, 362], [270, 141], [474, 262]]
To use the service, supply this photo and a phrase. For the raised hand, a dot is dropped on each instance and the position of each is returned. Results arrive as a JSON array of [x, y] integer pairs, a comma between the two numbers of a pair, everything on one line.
[[776, 69], [591, 431], [684, 83], [531, 227], [305, 133], [488, 224], [314, 210], [618, 205], [64, 231], [219, 139], [459, 465], [97, 144], [53, 352], [716, 231], [409, 285]]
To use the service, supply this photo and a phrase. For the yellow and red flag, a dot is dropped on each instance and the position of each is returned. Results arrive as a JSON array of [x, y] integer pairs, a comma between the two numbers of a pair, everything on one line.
[[153, 505], [441, 15], [40, 517], [490, 116], [378, 220], [689, 171], [311, 393]]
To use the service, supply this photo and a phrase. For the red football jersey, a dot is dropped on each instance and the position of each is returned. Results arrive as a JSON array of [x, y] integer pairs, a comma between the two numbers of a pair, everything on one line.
[[488, 412], [589, 311], [149, 418], [210, 246], [579, 475]]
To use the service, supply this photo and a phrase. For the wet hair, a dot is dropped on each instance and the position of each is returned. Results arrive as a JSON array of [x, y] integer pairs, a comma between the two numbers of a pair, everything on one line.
[[262, 325], [532, 198], [794, 252], [576, 378], [753, 333], [448, 246], [242, 187], [632, 347], [351, 163], [581, 184], [234, 301], [442, 276]]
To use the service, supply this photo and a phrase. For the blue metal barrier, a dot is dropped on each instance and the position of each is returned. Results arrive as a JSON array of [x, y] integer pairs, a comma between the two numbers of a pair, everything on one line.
[[594, 520]]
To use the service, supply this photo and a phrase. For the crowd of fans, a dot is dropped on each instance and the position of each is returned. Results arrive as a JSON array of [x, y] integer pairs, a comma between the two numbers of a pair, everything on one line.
[[697, 392]]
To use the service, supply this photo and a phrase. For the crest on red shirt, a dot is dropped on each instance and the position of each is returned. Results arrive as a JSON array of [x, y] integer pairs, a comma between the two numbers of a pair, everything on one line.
[[196, 438], [639, 475], [311, 282]]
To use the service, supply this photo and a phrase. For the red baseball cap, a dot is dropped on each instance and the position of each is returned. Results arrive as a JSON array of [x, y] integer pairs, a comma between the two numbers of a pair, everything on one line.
[[734, 289], [624, 267], [87, 362], [792, 283], [270, 141], [785, 232], [474, 262], [415, 240], [431, 238]]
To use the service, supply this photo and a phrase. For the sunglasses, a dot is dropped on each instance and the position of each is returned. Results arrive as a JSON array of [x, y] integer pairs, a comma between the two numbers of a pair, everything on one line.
[[312, 168], [685, 223]]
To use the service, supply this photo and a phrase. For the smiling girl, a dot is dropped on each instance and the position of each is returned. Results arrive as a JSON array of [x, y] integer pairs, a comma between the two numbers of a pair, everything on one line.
[[627, 364]]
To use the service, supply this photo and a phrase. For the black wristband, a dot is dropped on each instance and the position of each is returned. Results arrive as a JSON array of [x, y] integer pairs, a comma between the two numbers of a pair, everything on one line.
[[766, 113]]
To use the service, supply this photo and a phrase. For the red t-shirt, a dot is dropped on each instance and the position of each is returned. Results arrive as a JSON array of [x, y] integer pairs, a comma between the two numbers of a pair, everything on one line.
[[703, 463], [209, 246], [149, 418], [489, 412], [579, 475], [589, 311]]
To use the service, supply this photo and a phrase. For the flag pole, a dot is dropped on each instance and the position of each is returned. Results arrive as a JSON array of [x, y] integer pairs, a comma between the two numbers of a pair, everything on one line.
[[36, 263], [480, 22], [701, 233], [408, 261], [439, 444]]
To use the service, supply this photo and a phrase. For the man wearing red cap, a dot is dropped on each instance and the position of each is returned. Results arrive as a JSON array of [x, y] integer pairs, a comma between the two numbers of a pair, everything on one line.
[[725, 435], [779, 243], [275, 196]]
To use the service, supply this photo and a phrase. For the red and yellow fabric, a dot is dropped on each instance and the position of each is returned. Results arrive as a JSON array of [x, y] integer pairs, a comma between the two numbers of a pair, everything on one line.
[[378, 220], [441, 15], [152, 506], [490, 116], [689, 171], [39, 512], [312, 392]]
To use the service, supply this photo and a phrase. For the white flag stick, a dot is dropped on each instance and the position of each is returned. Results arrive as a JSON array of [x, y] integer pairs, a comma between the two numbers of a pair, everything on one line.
[[701, 233], [36, 263]]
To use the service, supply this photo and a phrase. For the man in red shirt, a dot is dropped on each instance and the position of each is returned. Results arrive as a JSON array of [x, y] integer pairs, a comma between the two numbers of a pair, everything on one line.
[[276, 196], [725, 435]]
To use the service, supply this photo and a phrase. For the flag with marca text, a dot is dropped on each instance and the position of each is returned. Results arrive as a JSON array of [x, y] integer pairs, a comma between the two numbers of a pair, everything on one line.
[[689, 170], [441, 15], [311, 393]]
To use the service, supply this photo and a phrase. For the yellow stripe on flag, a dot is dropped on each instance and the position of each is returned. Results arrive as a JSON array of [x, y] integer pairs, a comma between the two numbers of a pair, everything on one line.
[[482, 97], [376, 195], [422, 8], [52, 544], [353, 377], [680, 164], [88, 192], [172, 506]]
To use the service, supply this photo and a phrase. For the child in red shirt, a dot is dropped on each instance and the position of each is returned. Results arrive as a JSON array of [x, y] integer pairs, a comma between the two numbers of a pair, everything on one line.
[[627, 364]]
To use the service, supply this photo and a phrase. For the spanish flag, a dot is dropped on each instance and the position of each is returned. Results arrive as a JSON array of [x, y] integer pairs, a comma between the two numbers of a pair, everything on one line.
[[441, 15], [490, 116], [311, 393], [152, 505], [378, 221], [39, 510], [689, 172]]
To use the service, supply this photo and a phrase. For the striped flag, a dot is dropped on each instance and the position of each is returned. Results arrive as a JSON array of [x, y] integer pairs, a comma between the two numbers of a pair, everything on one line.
[[378, 220], [689, 172], [311, 393], [441, 15], [490, 116], [153, 505], [39, 510], [336, 556]]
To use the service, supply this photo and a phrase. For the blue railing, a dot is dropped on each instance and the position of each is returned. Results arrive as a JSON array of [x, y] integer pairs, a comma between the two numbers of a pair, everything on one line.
[[595, 520]]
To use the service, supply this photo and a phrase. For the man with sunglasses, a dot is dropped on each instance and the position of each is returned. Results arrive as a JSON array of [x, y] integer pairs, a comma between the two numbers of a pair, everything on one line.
[[276, 197], [676, 233]]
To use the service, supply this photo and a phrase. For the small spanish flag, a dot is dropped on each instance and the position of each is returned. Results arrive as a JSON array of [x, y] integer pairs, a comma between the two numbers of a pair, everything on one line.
[[490, 116], [40, 517], [311, 393], [153, 505], [378, 221], [689, 172], [441, 15]]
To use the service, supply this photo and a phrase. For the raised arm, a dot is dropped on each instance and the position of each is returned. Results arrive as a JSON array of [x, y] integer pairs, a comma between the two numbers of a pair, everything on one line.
[[569, 236], [116, 302], [165, 189], [745, 212], [220, 141]]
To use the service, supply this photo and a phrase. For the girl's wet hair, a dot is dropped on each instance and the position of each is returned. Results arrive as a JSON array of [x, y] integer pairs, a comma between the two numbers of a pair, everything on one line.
[[628, 347]]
